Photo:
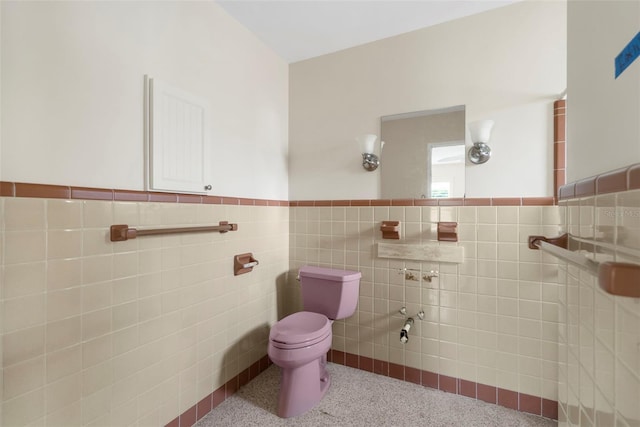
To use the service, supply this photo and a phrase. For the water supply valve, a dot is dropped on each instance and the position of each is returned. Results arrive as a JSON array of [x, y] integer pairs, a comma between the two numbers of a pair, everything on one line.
[[404, 332]]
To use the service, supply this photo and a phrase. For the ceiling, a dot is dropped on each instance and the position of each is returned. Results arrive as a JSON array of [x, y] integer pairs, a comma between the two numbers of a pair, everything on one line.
[[302, 29]]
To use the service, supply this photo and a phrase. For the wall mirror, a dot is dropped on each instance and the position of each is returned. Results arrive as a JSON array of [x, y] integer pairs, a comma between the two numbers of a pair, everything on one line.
[[423, 154]]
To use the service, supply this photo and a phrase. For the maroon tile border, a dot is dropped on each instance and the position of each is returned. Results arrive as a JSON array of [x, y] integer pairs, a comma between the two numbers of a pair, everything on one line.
[[451, 202], [189, 417], [506, 202], [86, 193], [396, 371], [217, 397], [567, 191], [612, 182], [231, 386], [487, 393], [430, 379], [586, 187], [7, 189], [507, 398], [633, 179], [352, 360], [46, 191], [477, 202], [550, 409], [41, 191], [538, 201], [163, 197], [380, 367], [559, 144], [467, 388], [623, 179], [189, 198], [402, 202], [425, 202], [366, 364], [413, 375], [487, 201], [204, 406], [11, 189], [448, 384], [530, 404], [130, 196]]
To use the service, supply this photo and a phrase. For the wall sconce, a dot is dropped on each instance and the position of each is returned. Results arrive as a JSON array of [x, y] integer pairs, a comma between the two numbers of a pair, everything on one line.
[[367, 147], [480, 134]]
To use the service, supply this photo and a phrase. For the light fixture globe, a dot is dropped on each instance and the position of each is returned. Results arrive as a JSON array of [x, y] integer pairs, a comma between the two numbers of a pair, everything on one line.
[[370, 161], [367, 147], [479, 153], [480, 133]]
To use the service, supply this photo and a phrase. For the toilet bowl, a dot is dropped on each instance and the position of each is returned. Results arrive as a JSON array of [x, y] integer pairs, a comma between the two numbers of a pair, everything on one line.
[[299, 343]]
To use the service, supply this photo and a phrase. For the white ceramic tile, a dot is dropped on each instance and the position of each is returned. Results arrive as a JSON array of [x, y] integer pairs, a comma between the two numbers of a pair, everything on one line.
[[487, 214], [507, 270], [487, 251], [507, 214], [21, 214], [23, 279], [24, 246], [530, 215], [23, 377], [467, 215], [431, 214], [23, 312], [449, 214]]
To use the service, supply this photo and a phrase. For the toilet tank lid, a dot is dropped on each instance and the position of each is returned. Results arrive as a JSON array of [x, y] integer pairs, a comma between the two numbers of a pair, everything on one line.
[[329, 274]]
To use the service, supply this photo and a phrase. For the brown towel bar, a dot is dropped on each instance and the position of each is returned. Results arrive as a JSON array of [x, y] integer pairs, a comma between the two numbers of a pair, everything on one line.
[[616, 278], [122, 232]]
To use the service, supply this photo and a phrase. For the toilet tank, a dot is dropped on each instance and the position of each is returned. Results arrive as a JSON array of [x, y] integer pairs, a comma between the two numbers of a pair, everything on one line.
[[333, 293]]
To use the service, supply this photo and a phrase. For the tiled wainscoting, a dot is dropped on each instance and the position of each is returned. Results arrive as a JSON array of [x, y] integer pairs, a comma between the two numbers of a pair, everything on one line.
[[491, 323], [599, 375], [157, 330], [136, 332]]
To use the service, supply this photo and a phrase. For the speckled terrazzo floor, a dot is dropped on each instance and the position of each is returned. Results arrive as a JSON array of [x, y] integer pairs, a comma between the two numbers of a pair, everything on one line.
[[360, 398]]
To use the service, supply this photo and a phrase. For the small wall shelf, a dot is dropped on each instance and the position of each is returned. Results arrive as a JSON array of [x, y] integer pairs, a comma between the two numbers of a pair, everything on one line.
[[390, 230], [434, 252]]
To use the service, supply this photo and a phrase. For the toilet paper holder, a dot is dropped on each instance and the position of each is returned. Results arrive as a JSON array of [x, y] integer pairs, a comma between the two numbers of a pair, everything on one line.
[[244, 263]]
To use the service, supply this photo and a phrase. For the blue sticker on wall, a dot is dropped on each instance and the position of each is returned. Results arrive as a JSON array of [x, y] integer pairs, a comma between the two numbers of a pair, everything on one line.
[[629, 54]]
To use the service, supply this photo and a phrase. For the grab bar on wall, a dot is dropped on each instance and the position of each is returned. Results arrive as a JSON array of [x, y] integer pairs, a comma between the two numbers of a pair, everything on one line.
[[122, 232], [617, 278]]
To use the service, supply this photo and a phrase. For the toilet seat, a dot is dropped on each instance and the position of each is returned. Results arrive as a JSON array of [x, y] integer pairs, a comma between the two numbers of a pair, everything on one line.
[[300, 330]]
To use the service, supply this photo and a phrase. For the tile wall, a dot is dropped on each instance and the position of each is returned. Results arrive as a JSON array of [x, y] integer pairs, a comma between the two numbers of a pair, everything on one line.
[[135, 332], [491, 322], [599, 375]]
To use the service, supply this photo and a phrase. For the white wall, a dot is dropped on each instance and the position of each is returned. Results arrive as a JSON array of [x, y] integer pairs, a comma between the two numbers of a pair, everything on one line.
[[603, 113], [72, 92], [508, 64]]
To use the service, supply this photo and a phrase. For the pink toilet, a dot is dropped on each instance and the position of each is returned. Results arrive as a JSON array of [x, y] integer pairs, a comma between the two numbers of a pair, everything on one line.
[[299, 343]]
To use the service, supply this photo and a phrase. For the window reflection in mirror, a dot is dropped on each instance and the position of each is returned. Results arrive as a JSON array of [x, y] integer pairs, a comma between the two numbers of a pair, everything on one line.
[[445, 173], [423, 155]]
